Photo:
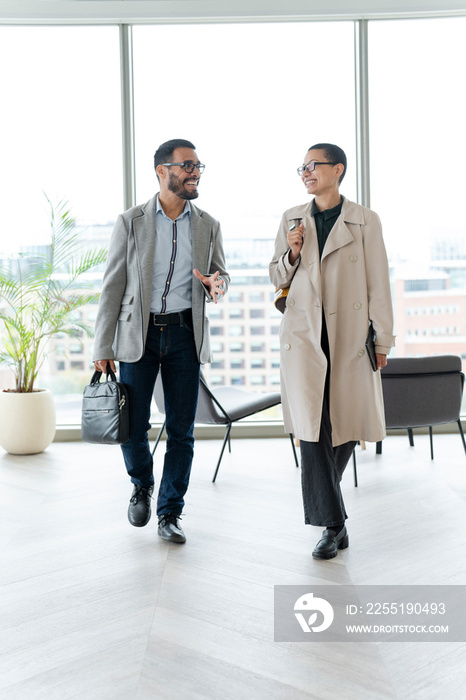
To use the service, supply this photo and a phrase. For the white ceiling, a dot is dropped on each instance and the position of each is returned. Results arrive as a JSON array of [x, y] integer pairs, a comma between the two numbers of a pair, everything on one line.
[[137, 11]]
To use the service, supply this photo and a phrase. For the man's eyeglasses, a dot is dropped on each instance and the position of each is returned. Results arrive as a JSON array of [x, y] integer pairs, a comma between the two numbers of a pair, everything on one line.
[[309, 167], [188, 165]]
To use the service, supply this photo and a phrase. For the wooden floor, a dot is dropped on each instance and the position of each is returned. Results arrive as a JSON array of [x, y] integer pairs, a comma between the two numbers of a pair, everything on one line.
[[93, 608]]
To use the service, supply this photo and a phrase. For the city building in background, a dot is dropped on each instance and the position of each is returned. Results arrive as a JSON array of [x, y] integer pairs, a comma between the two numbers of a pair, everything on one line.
[[252, 138], [429, 303]]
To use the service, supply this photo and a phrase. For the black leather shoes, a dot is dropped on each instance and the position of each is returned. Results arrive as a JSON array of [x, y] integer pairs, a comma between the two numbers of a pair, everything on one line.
[[139, 510], [328, 546], [170, 528]]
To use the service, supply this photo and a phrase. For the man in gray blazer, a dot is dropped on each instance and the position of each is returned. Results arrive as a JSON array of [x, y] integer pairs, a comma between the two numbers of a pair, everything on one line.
[[165, 261]]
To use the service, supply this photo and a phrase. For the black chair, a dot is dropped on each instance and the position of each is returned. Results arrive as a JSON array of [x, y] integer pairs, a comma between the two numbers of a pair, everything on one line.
[[421, 392], [223, 405]]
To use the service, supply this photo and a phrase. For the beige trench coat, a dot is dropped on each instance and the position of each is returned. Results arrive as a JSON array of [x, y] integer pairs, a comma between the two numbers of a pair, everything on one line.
[[351, 282]]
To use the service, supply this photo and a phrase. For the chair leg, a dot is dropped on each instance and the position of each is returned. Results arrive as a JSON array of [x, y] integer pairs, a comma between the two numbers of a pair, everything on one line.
[[159, 436], [294, 450], [431, 443], [462, 434], [411, 437], [378, 448], [355, 471], [225, 440]]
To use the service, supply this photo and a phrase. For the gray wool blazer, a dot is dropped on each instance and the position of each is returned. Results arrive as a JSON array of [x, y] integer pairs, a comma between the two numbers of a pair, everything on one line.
[[124, 308]]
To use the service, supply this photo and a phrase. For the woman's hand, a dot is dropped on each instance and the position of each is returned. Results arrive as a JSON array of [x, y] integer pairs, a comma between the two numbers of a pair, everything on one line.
[[295, 239], [381, 360]]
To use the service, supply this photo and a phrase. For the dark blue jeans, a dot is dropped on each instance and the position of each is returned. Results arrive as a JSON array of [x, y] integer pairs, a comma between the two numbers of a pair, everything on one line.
[[172, 349]]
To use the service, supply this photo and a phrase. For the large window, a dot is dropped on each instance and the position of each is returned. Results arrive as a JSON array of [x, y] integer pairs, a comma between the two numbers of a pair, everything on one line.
[[60, 133], [60, 127], [417, 118], [252, 101], [253, 98]]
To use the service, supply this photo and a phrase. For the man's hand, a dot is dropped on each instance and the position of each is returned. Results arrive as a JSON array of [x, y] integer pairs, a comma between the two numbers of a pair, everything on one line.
[[101, 365], [381, 360], [214, 285]]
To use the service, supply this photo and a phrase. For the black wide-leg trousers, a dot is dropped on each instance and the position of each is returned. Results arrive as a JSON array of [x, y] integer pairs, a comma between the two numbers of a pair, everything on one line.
[[322, 465]]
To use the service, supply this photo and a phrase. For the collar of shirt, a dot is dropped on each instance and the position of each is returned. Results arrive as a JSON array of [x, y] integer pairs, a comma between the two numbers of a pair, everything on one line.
[[159, 210], [327, 213]]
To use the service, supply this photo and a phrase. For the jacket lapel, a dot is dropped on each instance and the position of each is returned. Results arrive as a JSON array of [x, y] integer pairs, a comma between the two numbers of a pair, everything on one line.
[[310, 255], [340, 235], [202, 241], [143, 224]]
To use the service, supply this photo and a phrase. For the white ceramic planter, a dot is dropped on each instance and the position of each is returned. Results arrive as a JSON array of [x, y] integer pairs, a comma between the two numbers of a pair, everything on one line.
[[27, 421]]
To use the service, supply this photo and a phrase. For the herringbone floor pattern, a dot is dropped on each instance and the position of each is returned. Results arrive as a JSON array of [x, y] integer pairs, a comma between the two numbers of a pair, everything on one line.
[[92, 608]]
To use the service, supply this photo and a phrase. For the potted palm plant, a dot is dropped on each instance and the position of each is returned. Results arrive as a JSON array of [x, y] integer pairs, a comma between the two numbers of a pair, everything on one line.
[[40, 294]]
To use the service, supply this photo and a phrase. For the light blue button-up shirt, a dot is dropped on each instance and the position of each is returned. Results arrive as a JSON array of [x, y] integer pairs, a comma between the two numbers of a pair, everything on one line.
[[173, 262]]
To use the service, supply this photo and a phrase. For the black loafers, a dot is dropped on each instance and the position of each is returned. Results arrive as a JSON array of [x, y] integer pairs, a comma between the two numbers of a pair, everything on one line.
[[139, 510], [170, 529], [331, 542]]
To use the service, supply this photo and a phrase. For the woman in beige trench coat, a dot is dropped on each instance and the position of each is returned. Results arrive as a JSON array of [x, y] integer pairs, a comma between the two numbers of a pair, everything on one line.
[[346, 284]]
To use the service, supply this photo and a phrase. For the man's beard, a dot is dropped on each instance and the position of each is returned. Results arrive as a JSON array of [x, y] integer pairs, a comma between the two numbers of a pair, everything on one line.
[[176, 186]]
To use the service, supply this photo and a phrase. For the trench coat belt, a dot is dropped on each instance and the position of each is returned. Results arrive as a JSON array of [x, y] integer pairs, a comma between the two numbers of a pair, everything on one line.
[[175, 318]]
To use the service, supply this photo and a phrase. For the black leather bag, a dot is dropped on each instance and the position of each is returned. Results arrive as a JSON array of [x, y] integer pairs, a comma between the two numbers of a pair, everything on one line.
[[104, 415], [370, 347]]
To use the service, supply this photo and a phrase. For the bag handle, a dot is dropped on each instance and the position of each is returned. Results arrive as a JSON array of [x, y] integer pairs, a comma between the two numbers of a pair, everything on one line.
[[109, 373]]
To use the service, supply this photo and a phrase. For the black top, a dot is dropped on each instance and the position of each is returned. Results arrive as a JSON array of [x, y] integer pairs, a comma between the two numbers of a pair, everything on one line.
[[325, 221]]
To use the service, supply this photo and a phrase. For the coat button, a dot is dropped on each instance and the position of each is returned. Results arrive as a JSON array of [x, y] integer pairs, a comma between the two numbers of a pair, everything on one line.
[[290, 302], [353, 258], [357, 305], [361, 353], [287, 346]]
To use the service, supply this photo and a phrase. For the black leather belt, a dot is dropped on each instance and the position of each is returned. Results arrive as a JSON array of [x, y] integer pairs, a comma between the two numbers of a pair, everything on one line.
[[171, 319]]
